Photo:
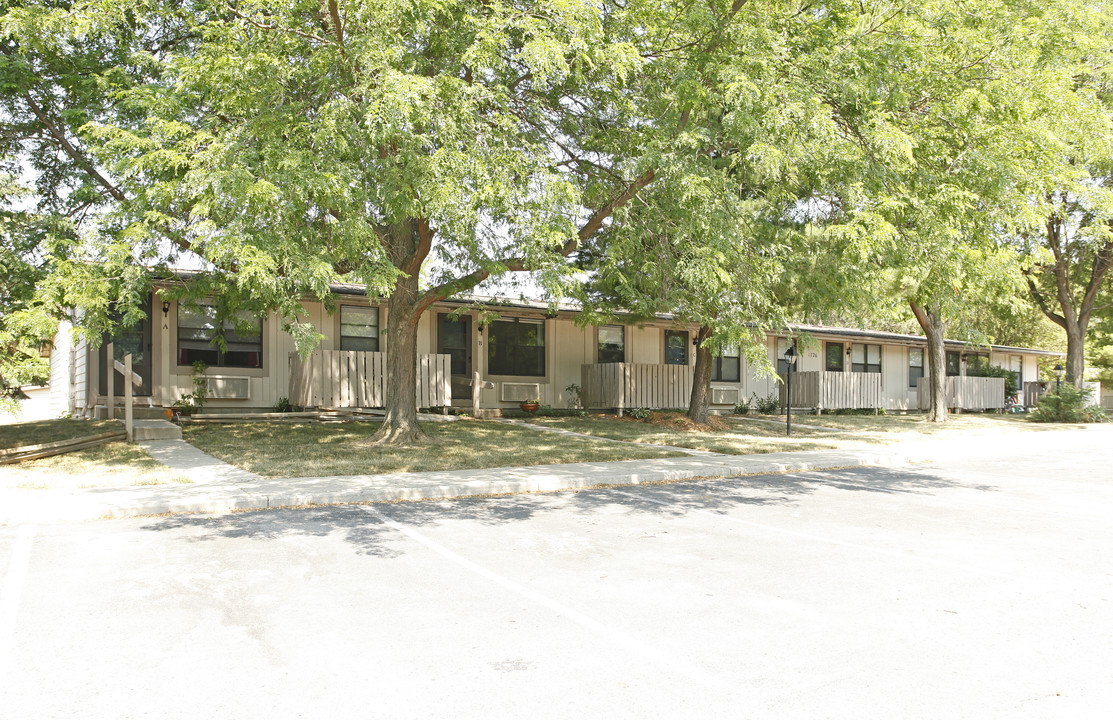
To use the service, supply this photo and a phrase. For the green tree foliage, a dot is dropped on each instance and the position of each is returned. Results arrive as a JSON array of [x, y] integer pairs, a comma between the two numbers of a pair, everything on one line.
[[24, 328], [955, 139], [1067, 242]]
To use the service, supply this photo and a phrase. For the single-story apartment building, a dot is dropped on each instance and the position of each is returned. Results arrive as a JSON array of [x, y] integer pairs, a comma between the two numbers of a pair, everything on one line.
[[529, 352]]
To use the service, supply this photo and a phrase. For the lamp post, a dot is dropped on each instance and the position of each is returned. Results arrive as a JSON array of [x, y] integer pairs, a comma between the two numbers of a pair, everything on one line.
[[1058, 377], [790, 362]]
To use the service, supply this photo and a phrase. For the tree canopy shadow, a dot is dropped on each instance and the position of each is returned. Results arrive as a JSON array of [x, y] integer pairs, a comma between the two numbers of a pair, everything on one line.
[[370, 534]]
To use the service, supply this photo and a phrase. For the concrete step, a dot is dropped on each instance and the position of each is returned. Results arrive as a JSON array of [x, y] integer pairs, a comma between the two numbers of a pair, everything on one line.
[[156, 430]]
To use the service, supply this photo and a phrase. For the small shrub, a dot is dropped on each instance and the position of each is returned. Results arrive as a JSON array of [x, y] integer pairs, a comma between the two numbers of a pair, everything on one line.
[[742, 408], [1067, 405], [283, 406], [573, 391], [858, 411], [638, 413], [769, 404]]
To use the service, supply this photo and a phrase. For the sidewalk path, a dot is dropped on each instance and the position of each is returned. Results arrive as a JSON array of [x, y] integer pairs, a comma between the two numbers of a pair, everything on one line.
[[219, 487]]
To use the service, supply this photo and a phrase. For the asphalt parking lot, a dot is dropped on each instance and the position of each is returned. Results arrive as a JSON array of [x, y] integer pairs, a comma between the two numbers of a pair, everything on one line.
[[963, 589]]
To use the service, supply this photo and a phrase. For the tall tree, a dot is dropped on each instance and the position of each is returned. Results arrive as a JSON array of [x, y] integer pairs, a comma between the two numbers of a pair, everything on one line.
[[943, 164], [1068, 242]]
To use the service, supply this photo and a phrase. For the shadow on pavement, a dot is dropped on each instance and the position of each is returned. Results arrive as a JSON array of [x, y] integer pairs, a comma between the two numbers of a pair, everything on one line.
[[370, 535]]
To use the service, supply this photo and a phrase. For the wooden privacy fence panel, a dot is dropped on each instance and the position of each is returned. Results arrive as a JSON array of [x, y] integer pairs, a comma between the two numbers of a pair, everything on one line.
[[349, 378], [834, 390], [1033, 391], [966, 393], [635, 385]]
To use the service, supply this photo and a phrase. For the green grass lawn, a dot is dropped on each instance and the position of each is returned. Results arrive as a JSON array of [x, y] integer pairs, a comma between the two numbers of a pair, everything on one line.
[[730, 438], [44, 431], [296, 449], [113, 465]]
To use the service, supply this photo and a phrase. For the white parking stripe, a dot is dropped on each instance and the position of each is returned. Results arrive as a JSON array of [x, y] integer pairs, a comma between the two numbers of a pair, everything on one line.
[[819, 538], [635, 647], [9, 596]]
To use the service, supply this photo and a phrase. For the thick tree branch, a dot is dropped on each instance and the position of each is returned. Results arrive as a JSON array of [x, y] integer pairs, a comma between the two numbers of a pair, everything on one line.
[[1041, 301], [75, 154]]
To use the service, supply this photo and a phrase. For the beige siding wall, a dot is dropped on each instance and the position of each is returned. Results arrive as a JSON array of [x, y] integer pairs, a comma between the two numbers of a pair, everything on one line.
[[568, 347]]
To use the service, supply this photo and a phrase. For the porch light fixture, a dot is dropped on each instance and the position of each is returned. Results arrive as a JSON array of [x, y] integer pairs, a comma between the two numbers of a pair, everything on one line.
[[790, 361], [1058, 377], [165, 308]]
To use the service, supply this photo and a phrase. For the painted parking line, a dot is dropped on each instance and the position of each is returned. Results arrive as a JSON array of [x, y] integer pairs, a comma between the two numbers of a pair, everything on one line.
[[14, 581], [819, 538], [637, 649]]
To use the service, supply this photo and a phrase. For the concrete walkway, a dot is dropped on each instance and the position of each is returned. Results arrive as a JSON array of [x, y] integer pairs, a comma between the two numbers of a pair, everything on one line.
[[218, 487]]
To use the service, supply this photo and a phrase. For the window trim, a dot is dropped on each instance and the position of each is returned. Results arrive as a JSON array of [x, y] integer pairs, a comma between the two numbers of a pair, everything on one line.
[[516, 320], [947, 355], [827, 356], [914, 382], [378, 327], [866, 364], [717, 365], [665, 347], [598, 343], [219, 366]]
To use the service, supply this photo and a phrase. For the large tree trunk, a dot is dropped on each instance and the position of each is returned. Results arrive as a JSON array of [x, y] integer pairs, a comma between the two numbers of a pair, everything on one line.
[[699, 406], [400, 425], [1075, 312], [407, 244], [937, 360]]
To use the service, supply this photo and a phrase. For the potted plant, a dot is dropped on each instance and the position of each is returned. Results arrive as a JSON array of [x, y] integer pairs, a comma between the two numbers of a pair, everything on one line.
[[530, 406]]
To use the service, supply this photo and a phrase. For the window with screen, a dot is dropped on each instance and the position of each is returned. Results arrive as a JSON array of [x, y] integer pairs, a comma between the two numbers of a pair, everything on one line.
[[516, 347], [727, 365], [236, 343], [359, 328], [865, 358], [836, 357], [915, 366], [954, 363], [676, 347], [612, 344]]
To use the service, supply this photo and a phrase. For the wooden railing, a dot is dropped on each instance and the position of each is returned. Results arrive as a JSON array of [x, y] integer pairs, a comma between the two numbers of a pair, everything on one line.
[[966, 393], [623, 386], [124, 368], [348, 378], [834, 390]]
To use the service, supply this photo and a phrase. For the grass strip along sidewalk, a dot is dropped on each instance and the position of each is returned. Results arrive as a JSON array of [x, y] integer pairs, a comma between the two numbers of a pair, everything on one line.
[[323, 449]]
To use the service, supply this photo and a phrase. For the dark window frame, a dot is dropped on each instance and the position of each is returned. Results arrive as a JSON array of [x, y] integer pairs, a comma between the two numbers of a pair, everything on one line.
[[347, 341], [866, 366], [841, 354], [915, 372], [952, 361], [726, 367], [978, 363], [609, 352], [671, 358], [515, 355], [213, 355]]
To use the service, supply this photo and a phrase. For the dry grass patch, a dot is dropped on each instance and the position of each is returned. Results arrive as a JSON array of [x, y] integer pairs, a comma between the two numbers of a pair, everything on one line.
[[45, 431], [116, 464], [719, 435], [305, 449]]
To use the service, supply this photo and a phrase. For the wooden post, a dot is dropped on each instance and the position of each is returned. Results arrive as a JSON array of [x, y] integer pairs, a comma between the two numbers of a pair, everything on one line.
[[475, 386], [110, 373], [128, 410]]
